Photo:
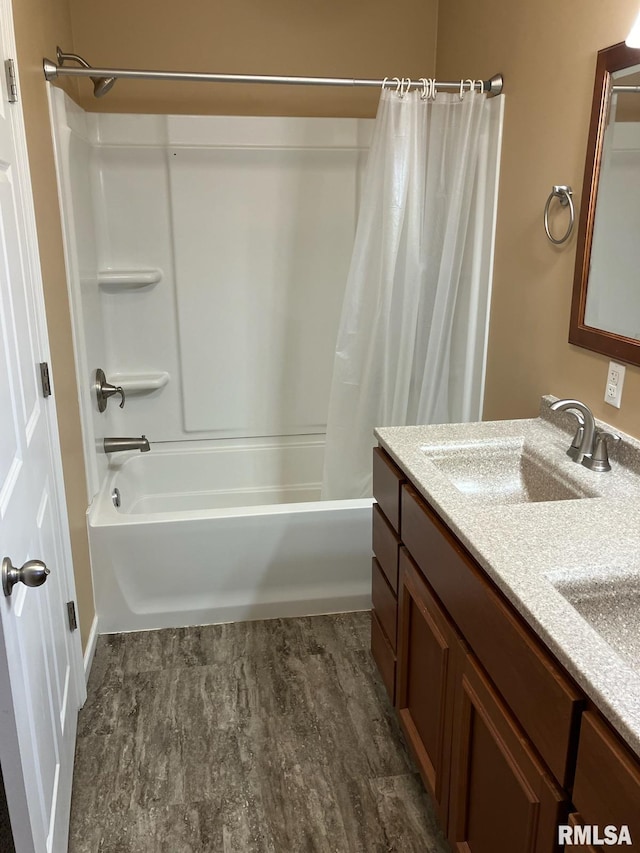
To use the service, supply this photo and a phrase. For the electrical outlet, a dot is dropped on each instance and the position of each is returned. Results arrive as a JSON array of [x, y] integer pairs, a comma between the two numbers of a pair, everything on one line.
[[615, 381]]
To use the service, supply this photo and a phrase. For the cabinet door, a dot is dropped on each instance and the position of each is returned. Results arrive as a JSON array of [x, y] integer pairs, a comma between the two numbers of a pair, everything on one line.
[[425, 681], [502, 797], [606, 791]]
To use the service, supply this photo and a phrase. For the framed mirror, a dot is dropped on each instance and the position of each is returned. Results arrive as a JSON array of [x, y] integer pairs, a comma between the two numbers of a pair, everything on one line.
[[605, 311]]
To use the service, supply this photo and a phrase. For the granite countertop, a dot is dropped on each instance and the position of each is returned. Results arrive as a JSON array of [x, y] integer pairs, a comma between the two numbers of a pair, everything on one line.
[[531, 549]]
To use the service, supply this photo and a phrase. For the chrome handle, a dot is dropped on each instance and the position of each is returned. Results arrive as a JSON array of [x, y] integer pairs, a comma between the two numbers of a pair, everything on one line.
[[105, 389], [33, 573], [599, 459]]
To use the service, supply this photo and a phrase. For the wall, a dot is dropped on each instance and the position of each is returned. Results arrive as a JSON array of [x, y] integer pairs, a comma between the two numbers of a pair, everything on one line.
[[355, 39], [39, 25], [547, 52]]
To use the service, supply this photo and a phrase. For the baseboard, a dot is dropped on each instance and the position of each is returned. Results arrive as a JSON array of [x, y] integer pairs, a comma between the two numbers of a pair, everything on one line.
[[90, 650]]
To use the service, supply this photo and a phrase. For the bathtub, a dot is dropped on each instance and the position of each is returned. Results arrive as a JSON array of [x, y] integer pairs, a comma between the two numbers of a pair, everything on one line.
[[224, 531]]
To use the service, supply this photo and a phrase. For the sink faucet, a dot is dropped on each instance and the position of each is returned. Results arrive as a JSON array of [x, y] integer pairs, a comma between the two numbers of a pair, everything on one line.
[[586, 424], [589, 445], [113, 445]]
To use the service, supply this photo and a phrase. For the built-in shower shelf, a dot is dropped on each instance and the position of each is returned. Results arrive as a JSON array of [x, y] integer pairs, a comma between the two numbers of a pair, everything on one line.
[[140, 383], [129, 279]]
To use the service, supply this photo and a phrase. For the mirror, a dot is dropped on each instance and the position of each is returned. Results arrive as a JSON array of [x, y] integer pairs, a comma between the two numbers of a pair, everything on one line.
[[605, 312]]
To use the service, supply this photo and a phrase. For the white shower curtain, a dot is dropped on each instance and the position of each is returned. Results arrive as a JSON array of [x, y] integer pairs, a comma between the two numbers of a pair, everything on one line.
[[413, 322]]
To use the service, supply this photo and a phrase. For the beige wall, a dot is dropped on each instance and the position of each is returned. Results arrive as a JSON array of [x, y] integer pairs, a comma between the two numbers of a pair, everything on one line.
[[39, 24], [547, 50], [332, 38]]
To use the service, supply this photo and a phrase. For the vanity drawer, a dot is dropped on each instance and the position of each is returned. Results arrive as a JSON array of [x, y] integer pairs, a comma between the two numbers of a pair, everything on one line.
[[606, 791], [386, 547], [543, 700], [387, 480], [384, 657], [385, 604]]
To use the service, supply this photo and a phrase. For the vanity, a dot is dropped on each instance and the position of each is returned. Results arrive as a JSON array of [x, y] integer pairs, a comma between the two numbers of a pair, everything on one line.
[[506, 616]]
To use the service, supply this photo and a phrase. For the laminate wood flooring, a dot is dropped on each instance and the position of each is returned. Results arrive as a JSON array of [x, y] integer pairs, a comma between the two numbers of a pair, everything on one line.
[[253, 737]]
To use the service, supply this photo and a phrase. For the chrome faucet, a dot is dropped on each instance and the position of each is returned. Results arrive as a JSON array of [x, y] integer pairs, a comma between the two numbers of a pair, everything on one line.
[[589, 445], [113, 445], [582, 445]]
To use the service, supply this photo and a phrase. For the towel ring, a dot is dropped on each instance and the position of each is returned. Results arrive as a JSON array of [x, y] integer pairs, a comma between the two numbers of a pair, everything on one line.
[[564, 196]]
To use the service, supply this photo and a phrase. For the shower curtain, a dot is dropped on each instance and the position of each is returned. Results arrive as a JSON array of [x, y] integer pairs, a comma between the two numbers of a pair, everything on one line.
[[412, 328]]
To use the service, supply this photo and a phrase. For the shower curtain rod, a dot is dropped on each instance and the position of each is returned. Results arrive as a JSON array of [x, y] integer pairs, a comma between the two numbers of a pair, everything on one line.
[[52, 71]]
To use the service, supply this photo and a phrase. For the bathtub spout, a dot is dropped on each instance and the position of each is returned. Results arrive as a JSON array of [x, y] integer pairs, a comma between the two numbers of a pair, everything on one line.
[[113, 445]]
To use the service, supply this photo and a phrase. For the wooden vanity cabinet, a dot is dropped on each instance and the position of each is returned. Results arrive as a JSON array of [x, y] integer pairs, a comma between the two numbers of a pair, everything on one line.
[[491, 780], [606, 790], [387, 483], [489, 786], [543, 700], [428, 653], [502, 796]]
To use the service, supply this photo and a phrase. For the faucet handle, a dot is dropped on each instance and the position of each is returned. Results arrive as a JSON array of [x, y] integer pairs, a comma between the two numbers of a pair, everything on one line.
[[599, 459], [574, 450], [105, 389]]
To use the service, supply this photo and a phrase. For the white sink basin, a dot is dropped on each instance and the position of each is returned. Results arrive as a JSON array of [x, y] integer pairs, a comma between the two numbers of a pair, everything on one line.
[[503, 472]]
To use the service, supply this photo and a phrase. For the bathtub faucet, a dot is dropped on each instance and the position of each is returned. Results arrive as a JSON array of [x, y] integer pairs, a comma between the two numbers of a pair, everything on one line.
[[113, 445]]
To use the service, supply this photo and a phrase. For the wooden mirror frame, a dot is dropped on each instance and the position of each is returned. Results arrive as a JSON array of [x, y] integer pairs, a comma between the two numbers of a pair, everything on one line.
[[611, 59]]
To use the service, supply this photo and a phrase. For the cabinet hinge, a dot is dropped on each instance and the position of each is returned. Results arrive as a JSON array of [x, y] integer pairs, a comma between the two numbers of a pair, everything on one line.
[[44, 379], [71, 614], [12, 83]]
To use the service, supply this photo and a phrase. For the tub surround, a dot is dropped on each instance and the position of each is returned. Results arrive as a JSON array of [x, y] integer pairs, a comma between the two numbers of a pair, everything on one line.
[[209, 341], [531, 550]]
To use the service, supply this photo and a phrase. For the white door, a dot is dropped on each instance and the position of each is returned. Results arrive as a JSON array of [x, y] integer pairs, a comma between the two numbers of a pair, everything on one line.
[[41, 680]]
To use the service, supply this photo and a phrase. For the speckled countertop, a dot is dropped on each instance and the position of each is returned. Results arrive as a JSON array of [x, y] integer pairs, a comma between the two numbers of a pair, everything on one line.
[[534, 550]]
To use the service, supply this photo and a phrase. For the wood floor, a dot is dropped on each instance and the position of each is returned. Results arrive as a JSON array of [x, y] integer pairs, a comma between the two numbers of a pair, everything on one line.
[[271, 736]]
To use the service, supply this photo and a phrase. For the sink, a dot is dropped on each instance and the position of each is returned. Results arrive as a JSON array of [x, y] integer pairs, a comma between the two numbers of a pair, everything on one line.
[[610, 603], [503, 472]]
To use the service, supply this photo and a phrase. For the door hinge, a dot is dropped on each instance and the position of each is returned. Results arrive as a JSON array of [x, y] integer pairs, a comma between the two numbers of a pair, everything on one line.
[[71, 613], [12, 83], [44, 378]]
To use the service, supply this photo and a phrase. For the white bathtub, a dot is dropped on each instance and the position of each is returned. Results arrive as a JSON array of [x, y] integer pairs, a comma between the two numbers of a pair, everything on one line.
[[225, 531]]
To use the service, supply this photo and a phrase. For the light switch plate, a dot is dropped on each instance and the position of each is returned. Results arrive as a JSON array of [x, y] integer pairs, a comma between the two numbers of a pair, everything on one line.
[[613, 387]]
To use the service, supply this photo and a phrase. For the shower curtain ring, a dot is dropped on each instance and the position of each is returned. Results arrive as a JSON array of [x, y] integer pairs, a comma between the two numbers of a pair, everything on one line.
[[434, 91], [472, 86], [425, 89], [406, 82], [461, 95]]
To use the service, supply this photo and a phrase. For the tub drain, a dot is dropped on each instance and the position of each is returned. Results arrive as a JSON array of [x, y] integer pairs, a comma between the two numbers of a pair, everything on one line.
[[115, 497]]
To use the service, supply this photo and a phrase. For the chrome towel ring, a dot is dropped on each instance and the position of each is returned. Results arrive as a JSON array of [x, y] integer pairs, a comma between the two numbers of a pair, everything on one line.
[[564, 196]]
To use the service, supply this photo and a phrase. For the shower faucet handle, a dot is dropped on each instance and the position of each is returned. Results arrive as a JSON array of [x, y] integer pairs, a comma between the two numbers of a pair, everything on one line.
[[105, 389]]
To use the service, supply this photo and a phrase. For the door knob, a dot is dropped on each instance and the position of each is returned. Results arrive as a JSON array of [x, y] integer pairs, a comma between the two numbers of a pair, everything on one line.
[[33, 573]]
